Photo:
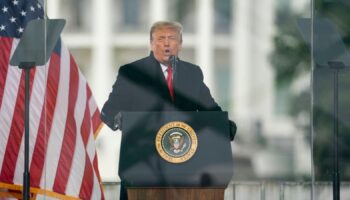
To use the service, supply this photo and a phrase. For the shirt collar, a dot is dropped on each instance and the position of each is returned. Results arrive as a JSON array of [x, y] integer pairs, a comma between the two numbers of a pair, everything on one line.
[[164, 67]]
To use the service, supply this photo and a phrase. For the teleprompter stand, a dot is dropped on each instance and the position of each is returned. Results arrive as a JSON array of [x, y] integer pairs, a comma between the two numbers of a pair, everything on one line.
[[34, 49], [329, 53]]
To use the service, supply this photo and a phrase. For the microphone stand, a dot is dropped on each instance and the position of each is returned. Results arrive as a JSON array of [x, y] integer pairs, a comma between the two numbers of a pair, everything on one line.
[[173, 62]]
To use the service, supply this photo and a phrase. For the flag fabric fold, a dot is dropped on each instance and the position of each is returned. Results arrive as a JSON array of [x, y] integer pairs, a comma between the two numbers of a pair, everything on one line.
[[64, 118]]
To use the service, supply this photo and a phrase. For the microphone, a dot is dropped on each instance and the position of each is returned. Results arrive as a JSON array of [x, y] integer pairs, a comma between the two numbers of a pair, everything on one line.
[[173, 62]]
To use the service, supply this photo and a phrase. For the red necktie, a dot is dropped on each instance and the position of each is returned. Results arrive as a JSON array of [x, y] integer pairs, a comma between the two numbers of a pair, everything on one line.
[[169, 80]]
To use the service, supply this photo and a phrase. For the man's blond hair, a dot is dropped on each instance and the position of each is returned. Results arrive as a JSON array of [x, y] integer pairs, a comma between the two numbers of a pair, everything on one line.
[[166, 25]]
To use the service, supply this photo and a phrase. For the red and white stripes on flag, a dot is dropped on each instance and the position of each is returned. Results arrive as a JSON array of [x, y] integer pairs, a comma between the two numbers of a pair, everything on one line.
[[64, 122]]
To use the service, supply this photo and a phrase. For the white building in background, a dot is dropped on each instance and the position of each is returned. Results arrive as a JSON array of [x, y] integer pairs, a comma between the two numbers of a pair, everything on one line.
[[230, 39]]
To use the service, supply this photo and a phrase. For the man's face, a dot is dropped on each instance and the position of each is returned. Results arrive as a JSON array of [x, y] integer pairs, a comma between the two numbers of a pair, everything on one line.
[[165, 42]]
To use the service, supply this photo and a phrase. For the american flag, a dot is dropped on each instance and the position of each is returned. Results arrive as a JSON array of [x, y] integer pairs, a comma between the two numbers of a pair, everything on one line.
[[64, 118]]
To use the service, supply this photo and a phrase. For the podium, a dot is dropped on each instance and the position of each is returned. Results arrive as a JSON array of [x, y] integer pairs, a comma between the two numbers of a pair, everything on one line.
[[175, 155]]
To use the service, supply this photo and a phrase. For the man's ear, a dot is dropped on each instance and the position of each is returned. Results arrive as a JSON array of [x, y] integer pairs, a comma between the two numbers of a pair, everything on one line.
[[180, 46], [151, 45]]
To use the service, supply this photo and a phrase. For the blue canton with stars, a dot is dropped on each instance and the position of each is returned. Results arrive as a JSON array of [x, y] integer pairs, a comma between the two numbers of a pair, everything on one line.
[[15, 14]]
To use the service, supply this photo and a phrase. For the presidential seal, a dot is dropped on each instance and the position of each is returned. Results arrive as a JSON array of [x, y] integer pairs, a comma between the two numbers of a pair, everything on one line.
[[176, 142]]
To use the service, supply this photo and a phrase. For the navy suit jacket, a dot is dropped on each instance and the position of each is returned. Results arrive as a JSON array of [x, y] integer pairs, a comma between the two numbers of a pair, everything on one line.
[[141, 86]]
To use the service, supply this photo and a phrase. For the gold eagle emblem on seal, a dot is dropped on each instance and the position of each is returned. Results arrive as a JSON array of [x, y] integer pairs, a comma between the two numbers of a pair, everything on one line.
[[176, 142]]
